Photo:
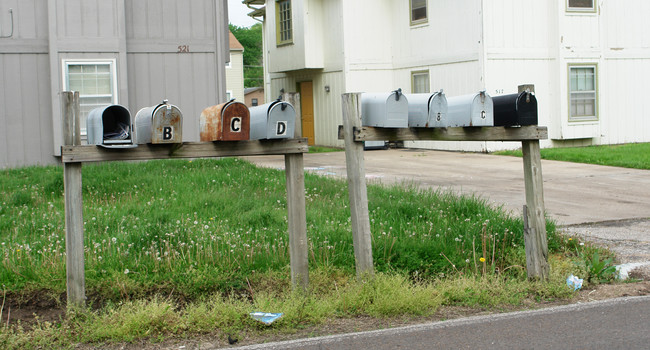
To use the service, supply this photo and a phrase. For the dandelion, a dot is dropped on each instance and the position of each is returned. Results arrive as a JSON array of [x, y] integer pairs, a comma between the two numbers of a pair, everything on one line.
[[114, 240], [126, 272], [482, 259], [570, 239], [582, 243]]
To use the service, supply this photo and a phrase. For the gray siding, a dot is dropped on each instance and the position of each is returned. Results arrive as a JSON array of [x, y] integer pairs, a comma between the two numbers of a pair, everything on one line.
[[142, 36]]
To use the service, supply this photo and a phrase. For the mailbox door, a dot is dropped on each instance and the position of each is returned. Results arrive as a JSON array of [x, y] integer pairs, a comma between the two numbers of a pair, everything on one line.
[[418, 110], [235, 124], [437, 110], [397, 115], [166, 124], [281, 121], [482, 110], [527, 109], [94, 126]]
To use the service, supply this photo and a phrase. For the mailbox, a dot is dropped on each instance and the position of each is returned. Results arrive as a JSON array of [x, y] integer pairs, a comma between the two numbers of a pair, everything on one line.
[[385, 110], [110, 126], [274, 120], [515, 109], [228, 121], [427, 110], [159, 124], [470, 110]]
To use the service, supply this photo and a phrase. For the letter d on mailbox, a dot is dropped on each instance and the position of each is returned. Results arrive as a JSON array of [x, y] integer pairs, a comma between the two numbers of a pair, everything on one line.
[[159, 124], [275, 120], [228, 121]]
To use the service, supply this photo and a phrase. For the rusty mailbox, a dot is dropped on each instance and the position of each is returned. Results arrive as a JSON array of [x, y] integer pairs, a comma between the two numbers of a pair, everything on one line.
[[274, 120], [427, 110], [515, 109], [228, 121], [159, 124], [110, 126], [385, 110], [470, 110]]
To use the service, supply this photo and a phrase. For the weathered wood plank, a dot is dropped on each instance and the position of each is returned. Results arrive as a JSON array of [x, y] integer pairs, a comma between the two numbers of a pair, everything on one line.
[[356, 173], [491, 133], [297, 220], [92, 153], [74, 230], [535, 237]]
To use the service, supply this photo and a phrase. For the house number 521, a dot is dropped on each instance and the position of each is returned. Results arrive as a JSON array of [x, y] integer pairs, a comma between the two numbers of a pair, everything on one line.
[[183, 48]]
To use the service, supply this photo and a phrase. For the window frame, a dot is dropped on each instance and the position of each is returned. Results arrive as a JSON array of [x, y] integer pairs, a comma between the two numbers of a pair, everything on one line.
[[591, 9], [254, 102], [420, 72], [279, 21], [228, 95], [111, 62], [590, 118], [421, 20], [229, 63]]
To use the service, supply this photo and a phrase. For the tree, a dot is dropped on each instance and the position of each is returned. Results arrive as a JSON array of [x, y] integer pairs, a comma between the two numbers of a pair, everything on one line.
[[251, 40]]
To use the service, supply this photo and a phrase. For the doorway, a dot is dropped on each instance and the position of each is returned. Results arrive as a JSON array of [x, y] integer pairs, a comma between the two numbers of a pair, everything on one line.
[[307, 111]]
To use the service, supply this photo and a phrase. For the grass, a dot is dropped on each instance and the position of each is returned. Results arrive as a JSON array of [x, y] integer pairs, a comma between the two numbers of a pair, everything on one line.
[[321, 149], [174, 248], [631, 155]]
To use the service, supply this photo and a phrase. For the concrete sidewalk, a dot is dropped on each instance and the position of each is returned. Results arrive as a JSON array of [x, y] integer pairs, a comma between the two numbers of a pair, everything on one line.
[[613, 202]]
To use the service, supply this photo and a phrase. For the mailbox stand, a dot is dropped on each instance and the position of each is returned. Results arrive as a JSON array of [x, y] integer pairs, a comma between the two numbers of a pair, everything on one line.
[[354, 134], [73, 155]]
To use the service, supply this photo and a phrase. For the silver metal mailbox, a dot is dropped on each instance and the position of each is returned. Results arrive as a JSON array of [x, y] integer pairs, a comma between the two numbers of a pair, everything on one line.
[[159, 124], [273, 120], [110, 127], [470, 110], [427, 110], [385, 110]]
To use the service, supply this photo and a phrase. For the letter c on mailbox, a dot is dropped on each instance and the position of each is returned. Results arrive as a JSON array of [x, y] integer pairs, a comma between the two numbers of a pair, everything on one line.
[[235, 124]]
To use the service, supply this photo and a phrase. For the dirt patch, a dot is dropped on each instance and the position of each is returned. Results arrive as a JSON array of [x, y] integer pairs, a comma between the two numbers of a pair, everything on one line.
[[333, 326]]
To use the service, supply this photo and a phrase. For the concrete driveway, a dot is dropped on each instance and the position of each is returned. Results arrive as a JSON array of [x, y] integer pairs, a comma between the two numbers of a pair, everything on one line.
[[606, 204]]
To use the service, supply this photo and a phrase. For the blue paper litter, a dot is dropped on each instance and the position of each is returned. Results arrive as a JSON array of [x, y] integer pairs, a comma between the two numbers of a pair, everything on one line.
[[575, 282], [266, 317]]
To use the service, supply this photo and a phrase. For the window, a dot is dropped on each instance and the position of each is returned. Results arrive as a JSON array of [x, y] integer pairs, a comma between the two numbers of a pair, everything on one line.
[[580, 6], [582, 93], [418, 11], [420, 82], [228, 95], [229, 63], [96, 82], [283, 22], [254, 102]]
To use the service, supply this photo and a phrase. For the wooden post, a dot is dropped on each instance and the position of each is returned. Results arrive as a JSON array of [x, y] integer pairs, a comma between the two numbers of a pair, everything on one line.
[[358, 192], [535, 234], [294, 99], [74, 229], [297, 214]]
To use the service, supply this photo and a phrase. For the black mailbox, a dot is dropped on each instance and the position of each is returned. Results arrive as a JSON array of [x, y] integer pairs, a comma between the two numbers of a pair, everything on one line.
[[515, 109]]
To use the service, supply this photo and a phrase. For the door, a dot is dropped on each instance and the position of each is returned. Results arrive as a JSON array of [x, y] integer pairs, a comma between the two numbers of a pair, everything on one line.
[[307, 111]]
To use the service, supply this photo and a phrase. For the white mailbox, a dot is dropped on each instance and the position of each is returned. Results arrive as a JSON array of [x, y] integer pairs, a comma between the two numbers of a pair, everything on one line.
[[110, 127], [470, 110], [274, 120], [385, 110], [427, 110]]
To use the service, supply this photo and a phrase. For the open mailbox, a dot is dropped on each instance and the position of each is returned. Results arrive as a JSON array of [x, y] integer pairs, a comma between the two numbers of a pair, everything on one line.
[[228, 121], [159, 124], [385, 110], [470, 110], [273, 120], [110, 127], [427, 110], [515, 109]]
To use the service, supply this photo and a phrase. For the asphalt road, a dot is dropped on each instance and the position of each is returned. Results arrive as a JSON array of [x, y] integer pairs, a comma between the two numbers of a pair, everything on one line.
[[622, 323]]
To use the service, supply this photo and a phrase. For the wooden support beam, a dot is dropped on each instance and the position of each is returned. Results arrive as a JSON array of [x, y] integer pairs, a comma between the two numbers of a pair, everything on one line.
[[487, 133], [535, 234], [297, 217], [356, 174], [74, 229], [92, 153]]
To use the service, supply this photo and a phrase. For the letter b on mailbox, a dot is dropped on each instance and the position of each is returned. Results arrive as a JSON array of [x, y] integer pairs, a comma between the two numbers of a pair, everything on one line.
[[159, 124], [228, 121]]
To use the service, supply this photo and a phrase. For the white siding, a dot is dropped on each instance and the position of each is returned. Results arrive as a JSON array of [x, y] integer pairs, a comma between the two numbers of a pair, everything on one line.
[[235, 75]]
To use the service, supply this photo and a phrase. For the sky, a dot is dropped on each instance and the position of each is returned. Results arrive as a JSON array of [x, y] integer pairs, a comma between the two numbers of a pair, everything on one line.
[[237, 14]]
